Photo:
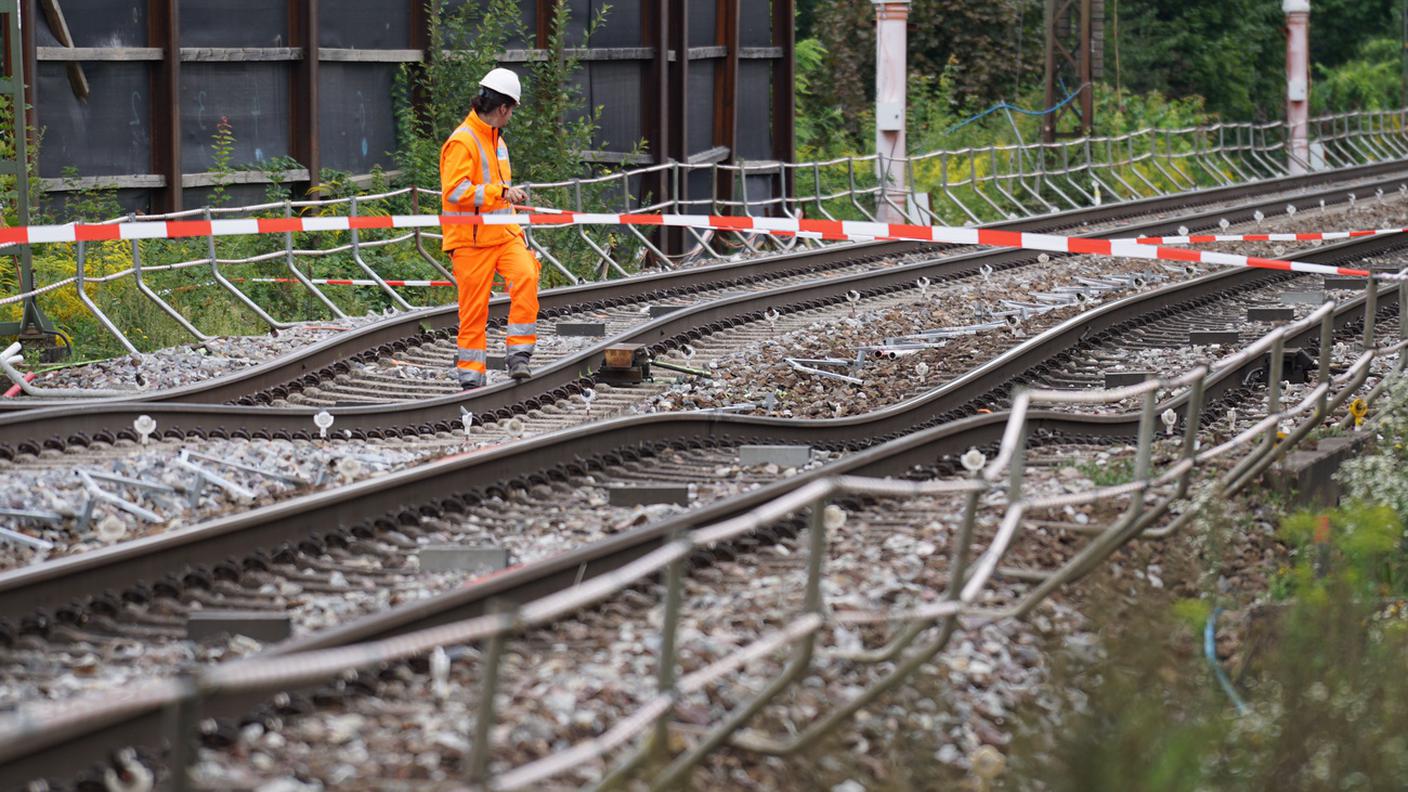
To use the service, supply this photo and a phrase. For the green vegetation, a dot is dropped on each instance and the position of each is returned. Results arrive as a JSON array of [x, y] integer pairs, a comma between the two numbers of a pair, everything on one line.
[[1109, 474], [1318, 659]]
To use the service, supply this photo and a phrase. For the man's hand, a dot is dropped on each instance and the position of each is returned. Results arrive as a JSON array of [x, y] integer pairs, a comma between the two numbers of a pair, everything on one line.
[[516, 195]]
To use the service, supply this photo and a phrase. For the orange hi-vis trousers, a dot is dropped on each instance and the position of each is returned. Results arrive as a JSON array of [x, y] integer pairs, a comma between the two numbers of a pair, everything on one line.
[[474, 269]]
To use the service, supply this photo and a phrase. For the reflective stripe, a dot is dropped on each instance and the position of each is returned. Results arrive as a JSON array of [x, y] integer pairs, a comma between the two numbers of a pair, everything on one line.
[[457, 194], [524, 348], [471, 214], [523, 329], [483, 160], [479, 195], [473, 355], [470, 377]]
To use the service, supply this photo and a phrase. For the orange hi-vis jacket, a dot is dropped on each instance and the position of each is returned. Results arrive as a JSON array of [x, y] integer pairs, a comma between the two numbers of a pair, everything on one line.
[[474, 172]]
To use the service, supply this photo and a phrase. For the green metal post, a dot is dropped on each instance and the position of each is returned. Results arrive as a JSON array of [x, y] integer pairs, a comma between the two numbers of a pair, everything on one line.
[[33, 324]]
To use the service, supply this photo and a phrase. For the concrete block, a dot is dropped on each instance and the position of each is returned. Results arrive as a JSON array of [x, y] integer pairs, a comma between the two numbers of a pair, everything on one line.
[[262, 626], [1308, 475], [462, 558], [1303, 298], [647, 494], [1270, 314], [657, 311], [1332, 282], [590, 329], [784, 456], [1121, 379], [1205, 337]]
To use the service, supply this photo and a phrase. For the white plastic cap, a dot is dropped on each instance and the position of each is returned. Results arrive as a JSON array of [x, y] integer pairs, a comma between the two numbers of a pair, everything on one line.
[[505, 82], [1295, 6]]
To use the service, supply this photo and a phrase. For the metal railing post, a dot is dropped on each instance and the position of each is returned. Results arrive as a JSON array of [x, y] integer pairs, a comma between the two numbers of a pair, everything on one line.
[[479, 750], [666, 674], [79, 274], [1371, 309], [419, 235], [146, 290], [371, 273], [304, 279]]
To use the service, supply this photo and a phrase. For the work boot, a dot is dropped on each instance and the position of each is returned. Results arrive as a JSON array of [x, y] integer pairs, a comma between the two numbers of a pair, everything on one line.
[[518, 367]]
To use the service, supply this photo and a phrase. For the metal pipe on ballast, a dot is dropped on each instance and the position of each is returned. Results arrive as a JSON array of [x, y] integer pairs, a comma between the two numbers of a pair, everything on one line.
[[1298, 83]]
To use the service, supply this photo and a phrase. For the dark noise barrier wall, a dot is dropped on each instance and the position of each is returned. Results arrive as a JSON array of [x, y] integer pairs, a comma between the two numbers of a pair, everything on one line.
[[312, 80]]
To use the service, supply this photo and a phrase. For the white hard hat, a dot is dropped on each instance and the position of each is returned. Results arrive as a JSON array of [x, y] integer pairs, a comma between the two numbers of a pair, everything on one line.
[[505, 82]]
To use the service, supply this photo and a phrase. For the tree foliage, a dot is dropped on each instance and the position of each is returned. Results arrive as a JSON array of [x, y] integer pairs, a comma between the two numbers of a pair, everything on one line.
[[1229, 52]]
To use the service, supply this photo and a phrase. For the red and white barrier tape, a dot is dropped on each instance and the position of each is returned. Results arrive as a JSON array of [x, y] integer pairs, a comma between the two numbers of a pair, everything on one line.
[[422, 284], [839, 230], [1322, 236]]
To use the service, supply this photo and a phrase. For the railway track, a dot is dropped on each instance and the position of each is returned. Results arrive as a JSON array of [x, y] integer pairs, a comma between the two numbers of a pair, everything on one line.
[[423, 336], [919, 431]]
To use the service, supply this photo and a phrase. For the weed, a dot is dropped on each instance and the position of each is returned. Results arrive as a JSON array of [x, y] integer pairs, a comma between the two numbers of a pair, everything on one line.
[[1107, 473]]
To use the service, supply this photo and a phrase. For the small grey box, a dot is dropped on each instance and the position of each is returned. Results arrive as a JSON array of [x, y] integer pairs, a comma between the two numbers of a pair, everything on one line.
[[1123, 379], [1270, 314], [262, 626], [1332, 282], [657, 311], [1303, 297], [786, 456], [1205, 337], [462, 558], [648, 494], [591, 329]]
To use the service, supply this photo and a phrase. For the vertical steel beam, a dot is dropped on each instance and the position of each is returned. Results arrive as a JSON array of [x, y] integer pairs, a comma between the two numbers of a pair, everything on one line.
[[1086, 68], [304, 131], [425, 15], [29, 16], [677, 139], [164, 33], [1070, 55], [544, 23], [1298, 82], [784, 86], [655, 101], [727, 34], [655, 109]]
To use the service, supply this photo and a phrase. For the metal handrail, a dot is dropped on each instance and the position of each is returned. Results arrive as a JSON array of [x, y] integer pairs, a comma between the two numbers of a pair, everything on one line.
[[965, 186]]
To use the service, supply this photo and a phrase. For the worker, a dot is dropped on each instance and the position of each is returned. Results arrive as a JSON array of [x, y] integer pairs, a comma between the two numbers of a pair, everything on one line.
[[476, 179]]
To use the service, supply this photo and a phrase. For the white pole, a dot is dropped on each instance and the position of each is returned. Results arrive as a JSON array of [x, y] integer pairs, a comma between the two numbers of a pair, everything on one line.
[[1298, 82], [891, 81]]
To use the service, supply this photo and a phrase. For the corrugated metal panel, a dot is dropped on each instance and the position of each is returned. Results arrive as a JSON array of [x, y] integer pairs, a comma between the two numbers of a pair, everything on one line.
[[618, 87], [701, 105], [756, 24], [755, 110], [358, 128], [623, 24], [254, 96], [528, 13], [101, 23], [702, 21], [110, 134], [363, 24], [247, 23]]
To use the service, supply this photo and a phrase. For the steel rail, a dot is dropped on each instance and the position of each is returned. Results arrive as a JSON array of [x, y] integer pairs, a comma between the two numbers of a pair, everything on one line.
[[31, 750], [319, 357], [60, 426]]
